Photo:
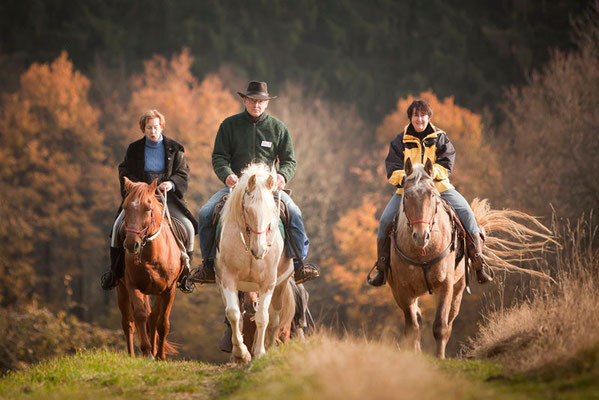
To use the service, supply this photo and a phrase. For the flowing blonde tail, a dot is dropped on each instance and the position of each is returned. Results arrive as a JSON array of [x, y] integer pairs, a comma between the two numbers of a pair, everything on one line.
[[512, 236]]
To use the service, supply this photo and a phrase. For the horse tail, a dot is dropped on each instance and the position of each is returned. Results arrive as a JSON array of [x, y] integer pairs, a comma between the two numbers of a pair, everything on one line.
[[512, 236], [171, 348], [288, 310]]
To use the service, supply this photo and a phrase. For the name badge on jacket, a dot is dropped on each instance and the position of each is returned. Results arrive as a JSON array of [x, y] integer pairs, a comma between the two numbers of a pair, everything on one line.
[[266, 143]]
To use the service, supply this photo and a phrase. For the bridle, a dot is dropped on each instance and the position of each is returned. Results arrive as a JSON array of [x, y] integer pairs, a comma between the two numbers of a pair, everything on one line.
[[249, 229], [145, 231], [411, 223]]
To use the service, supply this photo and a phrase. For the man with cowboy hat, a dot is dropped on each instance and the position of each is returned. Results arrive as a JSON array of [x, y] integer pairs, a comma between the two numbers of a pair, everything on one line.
[[253, 136]]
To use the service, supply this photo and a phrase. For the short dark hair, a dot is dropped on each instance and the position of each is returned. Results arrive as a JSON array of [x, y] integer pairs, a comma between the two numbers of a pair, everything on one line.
[[421, 106]]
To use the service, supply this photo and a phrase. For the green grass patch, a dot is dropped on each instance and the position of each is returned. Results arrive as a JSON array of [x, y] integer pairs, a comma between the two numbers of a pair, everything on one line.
[[100, 374]]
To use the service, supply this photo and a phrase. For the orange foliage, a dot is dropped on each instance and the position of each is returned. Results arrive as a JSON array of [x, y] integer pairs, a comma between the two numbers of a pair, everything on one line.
[[193, 110], [476, 169], [355, 237], [54, 168]]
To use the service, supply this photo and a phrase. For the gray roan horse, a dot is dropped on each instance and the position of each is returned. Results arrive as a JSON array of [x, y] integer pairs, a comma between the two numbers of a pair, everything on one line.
[[423, 255]]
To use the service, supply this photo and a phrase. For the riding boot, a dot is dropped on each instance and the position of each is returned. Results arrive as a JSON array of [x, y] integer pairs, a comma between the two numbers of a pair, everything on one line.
[[111, 277], [304, 271], [226, 341], [204, 273], [383, 251], [475, 254], [184, 284]]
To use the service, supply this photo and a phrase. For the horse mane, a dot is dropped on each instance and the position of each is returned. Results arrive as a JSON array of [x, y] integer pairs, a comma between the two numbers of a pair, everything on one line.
[[232, 209]]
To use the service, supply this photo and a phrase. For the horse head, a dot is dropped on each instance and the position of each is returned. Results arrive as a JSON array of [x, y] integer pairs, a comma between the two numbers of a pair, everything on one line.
[[141, 214], [420, 201], [259, 211]]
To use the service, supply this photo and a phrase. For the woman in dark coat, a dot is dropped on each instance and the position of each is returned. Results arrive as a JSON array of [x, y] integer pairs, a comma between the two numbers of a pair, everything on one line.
[[154, 156]]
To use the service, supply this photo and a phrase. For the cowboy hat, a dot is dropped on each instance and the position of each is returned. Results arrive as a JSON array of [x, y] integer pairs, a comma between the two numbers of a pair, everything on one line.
[[257, 90]]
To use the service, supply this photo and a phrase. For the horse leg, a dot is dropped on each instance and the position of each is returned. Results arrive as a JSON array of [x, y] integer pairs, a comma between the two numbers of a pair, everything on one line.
[[140, 314], [412, 324], [127, 322], [163, 327], [152, 326], [274, 312], [441, 326], [458, 292], [240, 350], [262, 317]]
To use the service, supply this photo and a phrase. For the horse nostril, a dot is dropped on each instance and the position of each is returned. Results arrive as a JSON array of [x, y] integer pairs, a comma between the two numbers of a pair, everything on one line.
[[428, 236], [414, 236], [254, 253]]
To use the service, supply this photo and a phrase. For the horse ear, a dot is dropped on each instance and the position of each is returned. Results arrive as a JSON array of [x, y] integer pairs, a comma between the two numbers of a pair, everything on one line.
[[408, 167], [154, 185], [128, 184], [428, 167], [252, 183], [270, 182]]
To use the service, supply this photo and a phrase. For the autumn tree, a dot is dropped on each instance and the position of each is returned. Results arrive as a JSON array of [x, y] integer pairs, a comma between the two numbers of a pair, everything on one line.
[[476, 170], [54, 167], [193, 109]]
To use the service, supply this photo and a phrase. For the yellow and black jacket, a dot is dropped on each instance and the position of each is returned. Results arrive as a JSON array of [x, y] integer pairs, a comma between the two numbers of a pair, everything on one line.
[[432, 143]]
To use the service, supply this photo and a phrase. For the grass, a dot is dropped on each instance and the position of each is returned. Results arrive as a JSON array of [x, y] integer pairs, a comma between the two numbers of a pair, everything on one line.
[[322, 368]]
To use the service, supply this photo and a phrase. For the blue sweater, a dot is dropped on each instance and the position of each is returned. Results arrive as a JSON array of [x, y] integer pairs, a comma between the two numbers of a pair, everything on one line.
[[154, 156]]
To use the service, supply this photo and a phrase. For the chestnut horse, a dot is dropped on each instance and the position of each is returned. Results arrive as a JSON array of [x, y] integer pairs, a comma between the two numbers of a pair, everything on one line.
[[423, 251], [153, 262], [251, 257]]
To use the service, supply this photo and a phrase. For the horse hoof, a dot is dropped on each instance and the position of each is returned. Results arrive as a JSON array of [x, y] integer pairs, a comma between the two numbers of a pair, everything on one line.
[[242, 356]]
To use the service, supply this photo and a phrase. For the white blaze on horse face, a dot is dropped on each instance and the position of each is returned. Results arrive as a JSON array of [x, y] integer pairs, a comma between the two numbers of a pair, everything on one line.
[[135, 204]]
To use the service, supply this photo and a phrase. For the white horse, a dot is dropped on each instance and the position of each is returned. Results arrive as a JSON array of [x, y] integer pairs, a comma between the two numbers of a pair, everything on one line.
[[250, 257]]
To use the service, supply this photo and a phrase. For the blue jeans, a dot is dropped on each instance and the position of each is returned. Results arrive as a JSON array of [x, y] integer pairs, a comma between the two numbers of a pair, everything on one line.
[[296, 230], [458, 202]]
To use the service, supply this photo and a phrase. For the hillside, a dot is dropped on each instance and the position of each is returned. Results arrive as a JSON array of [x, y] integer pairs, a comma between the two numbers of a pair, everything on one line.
[[323, 367]]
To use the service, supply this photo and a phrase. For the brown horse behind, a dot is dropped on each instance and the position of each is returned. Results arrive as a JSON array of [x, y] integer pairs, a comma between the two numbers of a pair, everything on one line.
[[423, 251], [152, 267]]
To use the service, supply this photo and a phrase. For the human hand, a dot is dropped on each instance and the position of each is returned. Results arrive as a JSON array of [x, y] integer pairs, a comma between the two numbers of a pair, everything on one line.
[[231, 180], [165, 186], [280, 182]]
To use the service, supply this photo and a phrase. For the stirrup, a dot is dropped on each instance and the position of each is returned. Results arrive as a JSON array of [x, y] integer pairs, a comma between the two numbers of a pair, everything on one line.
[[375, 280], [185, 284]]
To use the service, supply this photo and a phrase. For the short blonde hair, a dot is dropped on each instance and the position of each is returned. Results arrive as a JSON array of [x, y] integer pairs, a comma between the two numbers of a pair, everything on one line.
[[150, 114]]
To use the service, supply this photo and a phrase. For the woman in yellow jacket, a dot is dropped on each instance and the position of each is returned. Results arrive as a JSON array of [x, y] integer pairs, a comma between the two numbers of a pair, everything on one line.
[[421, 141]]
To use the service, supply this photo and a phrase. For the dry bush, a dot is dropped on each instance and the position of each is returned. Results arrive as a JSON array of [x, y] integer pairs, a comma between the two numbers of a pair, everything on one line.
[[560, 323], [31, 334], [548, 139]]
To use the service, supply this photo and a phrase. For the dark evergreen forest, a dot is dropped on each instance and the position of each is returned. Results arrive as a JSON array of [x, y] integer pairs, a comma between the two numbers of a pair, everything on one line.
[[367, 53]]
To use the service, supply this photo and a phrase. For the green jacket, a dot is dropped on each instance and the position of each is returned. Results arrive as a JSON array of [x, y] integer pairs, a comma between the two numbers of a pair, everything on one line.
[[239, 142]]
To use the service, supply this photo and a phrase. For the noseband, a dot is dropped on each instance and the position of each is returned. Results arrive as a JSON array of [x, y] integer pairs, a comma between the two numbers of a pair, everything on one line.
[[420, 221]]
